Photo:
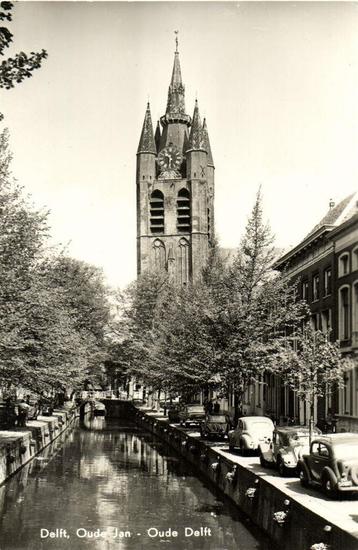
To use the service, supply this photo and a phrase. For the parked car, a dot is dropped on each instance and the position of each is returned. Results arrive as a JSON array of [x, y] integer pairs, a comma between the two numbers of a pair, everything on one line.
[[250, 432], [288, 445], [99, 409], [46, 408], [174, 412], [332, 464], [215, 426], [192, 415]]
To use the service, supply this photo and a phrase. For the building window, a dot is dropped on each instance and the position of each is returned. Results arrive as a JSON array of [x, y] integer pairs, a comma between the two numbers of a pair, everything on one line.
[[326, 317], [343, 264], [159, 255], [344, 313], [315, 321], [157, 212], [183, 211], [355, 259], [305, 290], [328, 282], [315, 287], [355, 314], [183, 262]]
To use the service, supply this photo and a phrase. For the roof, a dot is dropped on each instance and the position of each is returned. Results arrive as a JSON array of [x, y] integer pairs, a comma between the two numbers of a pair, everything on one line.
[[338, 439], [335, 217]]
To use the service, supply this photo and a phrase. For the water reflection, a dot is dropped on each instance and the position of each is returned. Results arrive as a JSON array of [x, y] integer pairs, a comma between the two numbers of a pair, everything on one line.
[[104, 486]]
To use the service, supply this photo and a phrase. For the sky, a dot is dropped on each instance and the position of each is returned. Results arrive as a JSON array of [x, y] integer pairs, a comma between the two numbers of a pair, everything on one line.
[[277, 82]]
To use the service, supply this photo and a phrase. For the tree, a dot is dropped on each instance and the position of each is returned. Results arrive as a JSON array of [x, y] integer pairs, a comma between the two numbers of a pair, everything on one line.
[[14, 70], [53, 309], [81, 292], [130, 332], [253, 307], [312, 368], [182, 349]]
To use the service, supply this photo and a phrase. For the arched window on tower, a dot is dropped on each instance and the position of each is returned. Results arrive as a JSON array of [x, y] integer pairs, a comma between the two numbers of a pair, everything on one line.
[[183, 262], [183, 211], [159, 255], [157, 212]]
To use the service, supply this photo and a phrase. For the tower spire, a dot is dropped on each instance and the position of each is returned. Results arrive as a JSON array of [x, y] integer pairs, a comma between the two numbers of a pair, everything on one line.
[[176, 92], [146, 142]]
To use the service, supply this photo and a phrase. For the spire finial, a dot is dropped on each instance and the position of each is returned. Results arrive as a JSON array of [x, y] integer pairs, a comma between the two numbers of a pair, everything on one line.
[[176, 41]]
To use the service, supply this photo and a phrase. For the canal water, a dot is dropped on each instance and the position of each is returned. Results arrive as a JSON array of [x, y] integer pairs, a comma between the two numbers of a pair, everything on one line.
[[109, 486]]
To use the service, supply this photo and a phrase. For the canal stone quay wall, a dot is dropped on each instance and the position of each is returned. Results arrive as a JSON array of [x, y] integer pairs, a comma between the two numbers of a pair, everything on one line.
[[288, 522], [19, 446]]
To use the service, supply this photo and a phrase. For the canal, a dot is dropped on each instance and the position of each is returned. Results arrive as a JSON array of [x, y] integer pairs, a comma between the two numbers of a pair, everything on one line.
[[104, 485]]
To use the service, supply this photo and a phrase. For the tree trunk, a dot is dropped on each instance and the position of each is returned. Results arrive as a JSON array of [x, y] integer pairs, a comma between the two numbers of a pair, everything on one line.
[[311, 420], [237, 407]]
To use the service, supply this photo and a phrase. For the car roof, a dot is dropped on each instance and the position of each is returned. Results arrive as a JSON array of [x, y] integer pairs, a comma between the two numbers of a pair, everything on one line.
[[293, 429], [251, 418], [338, 439]]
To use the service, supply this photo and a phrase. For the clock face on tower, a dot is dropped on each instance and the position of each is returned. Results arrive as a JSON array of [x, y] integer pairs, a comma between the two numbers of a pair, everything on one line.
[[169, 158]]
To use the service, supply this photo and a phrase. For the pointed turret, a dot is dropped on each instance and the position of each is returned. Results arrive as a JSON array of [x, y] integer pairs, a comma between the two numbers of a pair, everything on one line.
[[146, 142], [207, 143], [196, 138], [157, 136]]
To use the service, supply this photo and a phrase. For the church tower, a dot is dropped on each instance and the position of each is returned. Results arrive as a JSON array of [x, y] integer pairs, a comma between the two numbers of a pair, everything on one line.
[[175, 189]]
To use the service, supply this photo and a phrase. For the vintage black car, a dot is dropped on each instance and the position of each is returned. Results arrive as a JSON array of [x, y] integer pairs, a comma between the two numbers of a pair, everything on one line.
[[192, 415], [331, 464], [215, 426]]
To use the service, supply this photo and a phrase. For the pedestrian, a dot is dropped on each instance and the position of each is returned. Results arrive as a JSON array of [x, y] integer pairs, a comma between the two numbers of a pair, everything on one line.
[[210, 407], [216, 407], [10, 413], [23, 410], [330, 422]]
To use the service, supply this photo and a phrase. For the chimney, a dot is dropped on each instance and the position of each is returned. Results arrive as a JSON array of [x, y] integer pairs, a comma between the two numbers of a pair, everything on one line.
[[332, 204]]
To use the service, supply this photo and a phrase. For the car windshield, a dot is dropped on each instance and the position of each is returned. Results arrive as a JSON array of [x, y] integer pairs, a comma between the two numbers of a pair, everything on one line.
[[346, 450], [217, 418], [195, 408]]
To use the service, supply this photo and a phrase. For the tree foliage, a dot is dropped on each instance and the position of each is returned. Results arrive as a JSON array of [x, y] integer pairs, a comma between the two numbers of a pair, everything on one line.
[[15, 69], [53, 309]]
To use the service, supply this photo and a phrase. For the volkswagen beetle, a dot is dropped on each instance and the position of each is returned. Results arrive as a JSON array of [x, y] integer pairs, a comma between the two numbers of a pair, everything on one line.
[[286, 448], [250, 432]]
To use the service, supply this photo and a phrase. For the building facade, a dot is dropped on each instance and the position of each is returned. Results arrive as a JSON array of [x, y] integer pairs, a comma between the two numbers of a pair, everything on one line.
[[175, 189], [325, 264]]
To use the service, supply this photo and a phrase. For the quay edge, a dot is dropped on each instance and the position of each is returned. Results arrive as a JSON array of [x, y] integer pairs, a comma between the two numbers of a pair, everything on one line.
[[19, 446], [287, 522]]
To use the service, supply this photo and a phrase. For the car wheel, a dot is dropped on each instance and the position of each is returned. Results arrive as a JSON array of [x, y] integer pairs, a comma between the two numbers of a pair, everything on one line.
[[243, 449], [302, 474], [329, 486], [263, 462], [282, 470]]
